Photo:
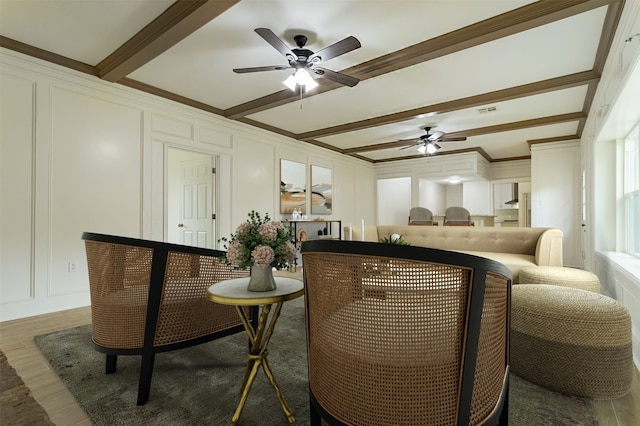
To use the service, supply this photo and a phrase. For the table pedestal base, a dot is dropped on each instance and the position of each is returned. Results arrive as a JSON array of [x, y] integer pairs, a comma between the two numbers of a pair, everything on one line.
[[257, 357]]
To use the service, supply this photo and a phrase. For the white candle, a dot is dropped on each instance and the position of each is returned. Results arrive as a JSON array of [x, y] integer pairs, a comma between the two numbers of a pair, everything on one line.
[[362, 231], [350, 233]]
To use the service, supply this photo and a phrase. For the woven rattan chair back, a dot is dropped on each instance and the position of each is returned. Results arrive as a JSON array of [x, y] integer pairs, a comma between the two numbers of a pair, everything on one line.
[[401, 335], [420, 216], [457, 216], [149, 297]]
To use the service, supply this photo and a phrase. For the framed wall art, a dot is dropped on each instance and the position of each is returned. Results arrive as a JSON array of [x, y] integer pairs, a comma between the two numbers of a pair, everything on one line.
[[321, 190], [293, 187]]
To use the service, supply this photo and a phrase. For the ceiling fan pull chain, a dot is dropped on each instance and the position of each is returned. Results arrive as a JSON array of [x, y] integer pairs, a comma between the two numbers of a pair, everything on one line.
[[300, 97]]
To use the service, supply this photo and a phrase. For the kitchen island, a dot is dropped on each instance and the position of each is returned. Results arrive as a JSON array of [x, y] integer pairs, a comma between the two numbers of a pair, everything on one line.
[[477, 219]]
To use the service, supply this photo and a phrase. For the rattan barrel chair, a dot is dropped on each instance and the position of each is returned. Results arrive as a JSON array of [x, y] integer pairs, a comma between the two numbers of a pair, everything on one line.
[[405, 335], [149, 297]]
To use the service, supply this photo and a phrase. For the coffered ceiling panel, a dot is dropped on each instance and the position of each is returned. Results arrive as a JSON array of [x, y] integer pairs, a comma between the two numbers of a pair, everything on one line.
[[502, 74]]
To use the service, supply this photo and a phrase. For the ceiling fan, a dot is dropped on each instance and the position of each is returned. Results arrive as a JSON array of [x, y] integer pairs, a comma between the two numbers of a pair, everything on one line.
[[428, 143], [305, 62]]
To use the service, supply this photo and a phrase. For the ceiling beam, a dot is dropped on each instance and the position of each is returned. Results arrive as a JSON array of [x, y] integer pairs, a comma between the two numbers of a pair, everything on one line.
[[477, 149], [180, 20], [509, 23], [545, 86], [518, 125], [45, 55], [610, 25], [554, 139], [611, 21]]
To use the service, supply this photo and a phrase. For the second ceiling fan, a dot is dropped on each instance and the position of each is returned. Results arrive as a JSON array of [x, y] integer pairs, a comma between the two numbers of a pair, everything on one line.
[[305, 62], [428, 143]]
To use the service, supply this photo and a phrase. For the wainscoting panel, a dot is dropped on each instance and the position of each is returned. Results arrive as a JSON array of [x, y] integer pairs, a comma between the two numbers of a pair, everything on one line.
[[622, 284], [17, 170]]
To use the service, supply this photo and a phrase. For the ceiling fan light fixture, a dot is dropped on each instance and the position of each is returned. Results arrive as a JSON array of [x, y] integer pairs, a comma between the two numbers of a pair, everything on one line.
[[431, 148], [428, 148], [290, 82], [302, 78]]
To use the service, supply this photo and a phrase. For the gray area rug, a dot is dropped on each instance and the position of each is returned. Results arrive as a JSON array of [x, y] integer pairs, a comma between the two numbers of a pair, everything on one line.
[[200, 385]]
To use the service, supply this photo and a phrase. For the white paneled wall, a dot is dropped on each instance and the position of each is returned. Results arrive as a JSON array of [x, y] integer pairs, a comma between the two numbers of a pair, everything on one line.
[[256, 178], [556, 194], [80, 154], [17, 180], [622, 284], [100, 195]]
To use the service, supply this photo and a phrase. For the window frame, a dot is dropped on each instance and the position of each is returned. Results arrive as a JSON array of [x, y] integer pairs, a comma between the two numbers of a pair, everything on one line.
[[631, 192]]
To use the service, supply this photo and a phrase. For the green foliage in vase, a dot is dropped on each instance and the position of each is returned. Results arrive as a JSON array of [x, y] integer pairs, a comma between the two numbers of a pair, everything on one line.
[[394, 239]]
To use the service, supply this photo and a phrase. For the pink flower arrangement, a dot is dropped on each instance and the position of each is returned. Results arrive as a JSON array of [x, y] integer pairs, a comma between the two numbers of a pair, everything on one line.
[[260, 242]]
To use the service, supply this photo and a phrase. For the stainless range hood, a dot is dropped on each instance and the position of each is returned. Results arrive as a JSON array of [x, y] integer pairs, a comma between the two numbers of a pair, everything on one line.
[[514, 195]]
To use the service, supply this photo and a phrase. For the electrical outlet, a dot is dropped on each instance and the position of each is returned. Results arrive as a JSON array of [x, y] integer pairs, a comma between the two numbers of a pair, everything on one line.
[[73, 266]]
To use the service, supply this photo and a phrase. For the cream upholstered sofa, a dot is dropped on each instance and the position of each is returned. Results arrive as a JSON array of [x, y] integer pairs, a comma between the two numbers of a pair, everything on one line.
[[516, 248]]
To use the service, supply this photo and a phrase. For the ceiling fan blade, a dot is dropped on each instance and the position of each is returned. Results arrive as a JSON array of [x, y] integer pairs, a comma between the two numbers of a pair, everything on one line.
[[336, 77], [434, 136], [451, 139], [276, 42], [258, 69], [411, 145], [340, 48]]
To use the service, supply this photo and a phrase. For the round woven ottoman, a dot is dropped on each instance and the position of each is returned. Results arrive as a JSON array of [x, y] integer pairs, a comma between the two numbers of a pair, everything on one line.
[[559, 275], [572, 341]]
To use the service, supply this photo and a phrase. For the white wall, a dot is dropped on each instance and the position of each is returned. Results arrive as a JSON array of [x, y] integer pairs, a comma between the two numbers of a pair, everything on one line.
[[556, 194], [394, 200], [476, 197], [17, 163], [455, 196], [75, 166], [432, 196], [605, 200], [619, 277], [80, 154]]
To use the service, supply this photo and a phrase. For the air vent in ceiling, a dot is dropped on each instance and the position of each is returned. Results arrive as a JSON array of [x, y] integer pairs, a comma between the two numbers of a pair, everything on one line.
[[487, 109]]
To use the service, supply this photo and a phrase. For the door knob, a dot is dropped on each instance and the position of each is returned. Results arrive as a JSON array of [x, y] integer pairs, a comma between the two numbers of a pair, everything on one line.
[[181, 225]]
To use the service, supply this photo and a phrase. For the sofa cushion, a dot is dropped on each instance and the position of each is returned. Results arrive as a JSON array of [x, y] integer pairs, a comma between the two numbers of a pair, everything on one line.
[[515, 262]]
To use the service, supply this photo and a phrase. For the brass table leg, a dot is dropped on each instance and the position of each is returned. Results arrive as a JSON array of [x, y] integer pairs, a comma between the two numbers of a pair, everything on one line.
[[257, 356]]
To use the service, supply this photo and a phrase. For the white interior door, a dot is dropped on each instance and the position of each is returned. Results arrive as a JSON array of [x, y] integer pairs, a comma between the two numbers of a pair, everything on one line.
[[191, 199], [196, 227]]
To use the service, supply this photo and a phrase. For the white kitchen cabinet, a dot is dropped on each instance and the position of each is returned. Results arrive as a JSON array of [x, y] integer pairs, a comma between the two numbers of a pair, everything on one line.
[[502, 192]]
